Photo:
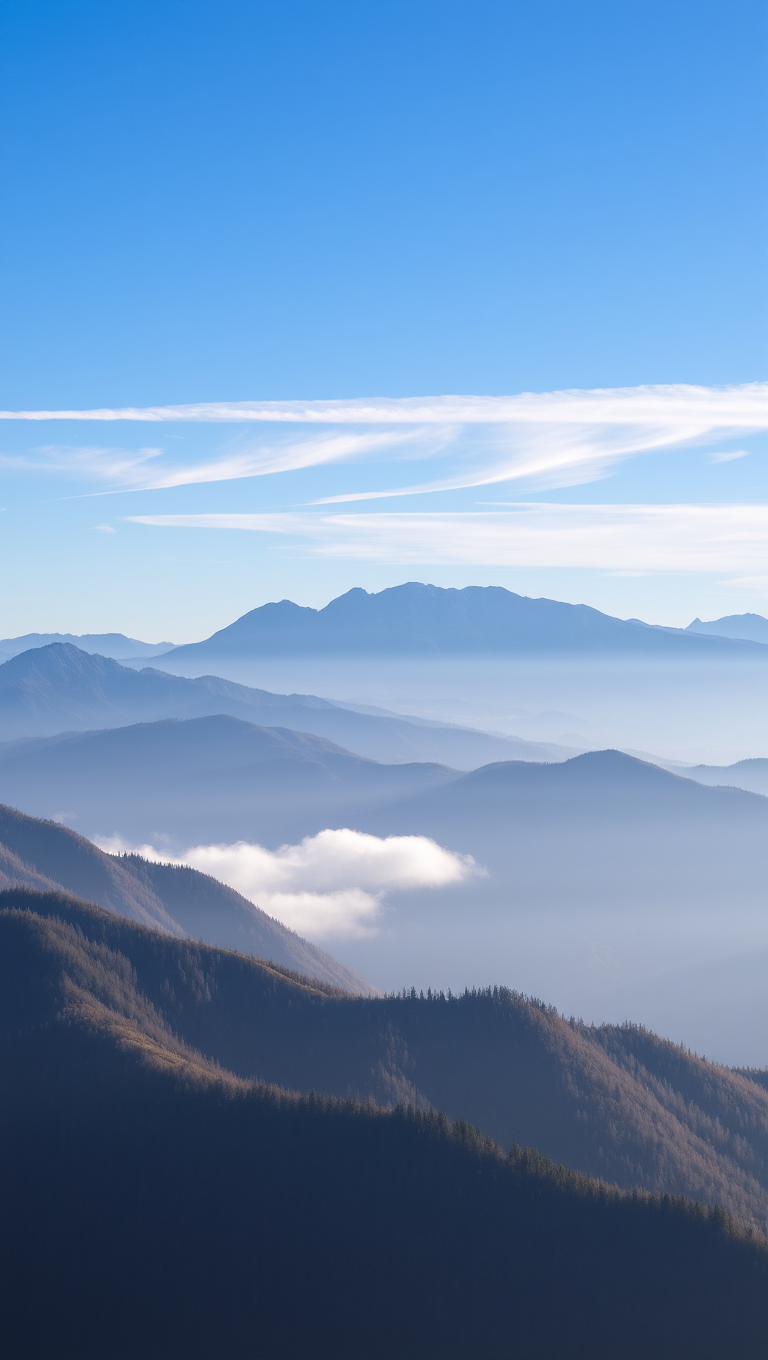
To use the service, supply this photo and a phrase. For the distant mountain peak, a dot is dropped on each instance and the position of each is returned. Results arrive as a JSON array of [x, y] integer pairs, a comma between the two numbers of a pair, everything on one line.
[[115, 645], [416, 618], [744, 627]]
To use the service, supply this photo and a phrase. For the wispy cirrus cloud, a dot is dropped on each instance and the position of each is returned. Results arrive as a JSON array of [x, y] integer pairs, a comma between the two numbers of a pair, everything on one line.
[[331, 885], [128, 470], [549, 439], [728, 455], [616, 538], [87, 462], [738, 406]]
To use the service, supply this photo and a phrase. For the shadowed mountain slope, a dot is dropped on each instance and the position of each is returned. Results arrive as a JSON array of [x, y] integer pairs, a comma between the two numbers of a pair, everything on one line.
[[416, 618], [61, 688], [172, 898], [614, 1102], [161, 1206]]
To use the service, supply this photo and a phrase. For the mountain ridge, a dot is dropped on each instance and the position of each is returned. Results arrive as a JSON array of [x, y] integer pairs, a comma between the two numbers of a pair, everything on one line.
[[59, 688], [175, 899], [417, 618], [162, 1206], [611, 1101], [745, 627], [114, 645]]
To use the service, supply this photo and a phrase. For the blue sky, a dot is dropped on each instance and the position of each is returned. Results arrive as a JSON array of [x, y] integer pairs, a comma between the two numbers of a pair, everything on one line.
[[223, 203]]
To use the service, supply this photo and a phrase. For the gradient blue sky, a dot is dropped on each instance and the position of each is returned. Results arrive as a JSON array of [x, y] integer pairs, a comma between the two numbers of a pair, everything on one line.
[[300, 202]]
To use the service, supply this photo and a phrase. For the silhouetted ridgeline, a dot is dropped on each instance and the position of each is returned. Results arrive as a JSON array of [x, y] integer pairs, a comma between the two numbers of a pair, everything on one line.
[[155, 1205], [61, 688], [115, 645], [416, 618], [614, 1102], [172, 898], [751, 627]]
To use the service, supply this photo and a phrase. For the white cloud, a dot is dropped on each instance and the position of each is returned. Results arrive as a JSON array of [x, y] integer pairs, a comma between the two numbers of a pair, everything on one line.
[[288, 456], [634, 538], [539, 439], [728, 456], [104, 529], [741, 406], [332, 884], [90, 462], [127, 469]]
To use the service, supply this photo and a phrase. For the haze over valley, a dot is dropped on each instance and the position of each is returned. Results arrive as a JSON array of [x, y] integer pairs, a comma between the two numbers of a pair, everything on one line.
[[607, 884]]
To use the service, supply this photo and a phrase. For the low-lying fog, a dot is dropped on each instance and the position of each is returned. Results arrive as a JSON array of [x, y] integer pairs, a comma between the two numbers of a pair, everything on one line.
[[697, 711], [607, 913]]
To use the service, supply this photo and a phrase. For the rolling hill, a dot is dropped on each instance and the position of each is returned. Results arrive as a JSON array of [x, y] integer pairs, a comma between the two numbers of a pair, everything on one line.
[[171, 898], [161, 1205]]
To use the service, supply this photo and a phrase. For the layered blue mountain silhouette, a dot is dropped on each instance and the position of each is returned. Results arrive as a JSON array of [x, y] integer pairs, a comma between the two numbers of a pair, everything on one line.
[[598, 830], [416, 618], [743, 774], [61, 688], [116, 645], [747, 627]]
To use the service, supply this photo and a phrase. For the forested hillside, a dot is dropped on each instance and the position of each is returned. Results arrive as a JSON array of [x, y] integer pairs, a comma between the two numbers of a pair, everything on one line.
[[169, 897], [156, 1204], [613, 1102]]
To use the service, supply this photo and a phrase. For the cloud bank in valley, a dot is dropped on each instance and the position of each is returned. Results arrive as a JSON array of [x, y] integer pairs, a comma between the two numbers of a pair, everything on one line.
[[332, 885]]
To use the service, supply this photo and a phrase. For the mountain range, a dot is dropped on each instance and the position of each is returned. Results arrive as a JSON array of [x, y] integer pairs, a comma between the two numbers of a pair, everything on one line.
[[603, 826], [411, 617], [105, 644], [747, 627], [59, 688], [172, 898], [216, 778], [415, 618], [160, 1202], [743, 774], [596, 876]]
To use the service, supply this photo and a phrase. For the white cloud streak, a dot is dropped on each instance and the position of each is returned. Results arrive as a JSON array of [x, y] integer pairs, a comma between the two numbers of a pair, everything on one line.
[[331, 885], [128, 470], [290, 456], [739, 406], [616, 538], [541, 439], [89, 462]]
